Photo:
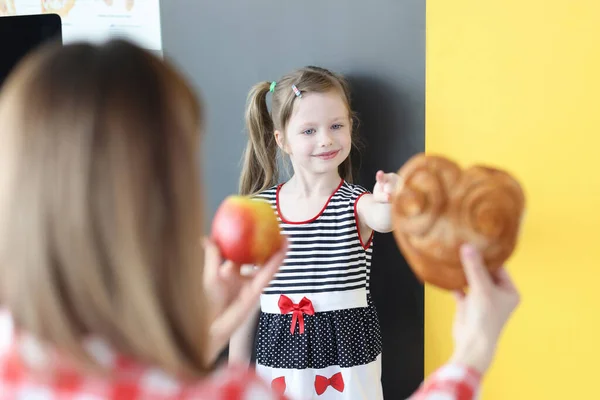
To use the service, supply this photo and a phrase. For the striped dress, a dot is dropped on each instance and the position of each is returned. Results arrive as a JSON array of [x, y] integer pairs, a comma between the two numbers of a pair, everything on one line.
[[318, 334]]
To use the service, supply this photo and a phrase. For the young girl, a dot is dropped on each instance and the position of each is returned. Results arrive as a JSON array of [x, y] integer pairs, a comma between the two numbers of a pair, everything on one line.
[[318, 332]]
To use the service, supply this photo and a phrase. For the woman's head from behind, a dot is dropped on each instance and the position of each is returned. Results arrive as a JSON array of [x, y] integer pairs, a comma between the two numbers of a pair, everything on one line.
[[310, 119], [100, 210]]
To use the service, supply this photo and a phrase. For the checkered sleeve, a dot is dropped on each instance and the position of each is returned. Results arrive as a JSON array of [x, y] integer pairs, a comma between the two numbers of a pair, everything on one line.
[[450, 382], [234, 383]]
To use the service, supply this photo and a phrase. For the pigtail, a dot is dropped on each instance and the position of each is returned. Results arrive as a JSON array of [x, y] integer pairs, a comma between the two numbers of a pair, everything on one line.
[[259, 170]]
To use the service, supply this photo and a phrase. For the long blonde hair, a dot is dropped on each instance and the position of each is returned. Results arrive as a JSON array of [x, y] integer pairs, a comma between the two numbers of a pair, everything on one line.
[[260, 168], [100, 204]]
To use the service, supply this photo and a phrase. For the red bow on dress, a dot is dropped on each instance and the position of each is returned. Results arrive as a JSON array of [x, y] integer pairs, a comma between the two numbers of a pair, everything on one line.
[[336, 382], [305, 306], [278, 385]]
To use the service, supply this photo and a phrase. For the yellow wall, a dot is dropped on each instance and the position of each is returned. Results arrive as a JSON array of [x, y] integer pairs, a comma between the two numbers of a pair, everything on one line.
[[517, 83]]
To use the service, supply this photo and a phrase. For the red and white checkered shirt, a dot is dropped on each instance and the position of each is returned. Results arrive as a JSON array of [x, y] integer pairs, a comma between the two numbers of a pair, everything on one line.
[[451, 382], [133, 381]]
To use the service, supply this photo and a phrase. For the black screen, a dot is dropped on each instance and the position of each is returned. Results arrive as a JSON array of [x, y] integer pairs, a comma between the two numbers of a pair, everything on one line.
[[21, 34]]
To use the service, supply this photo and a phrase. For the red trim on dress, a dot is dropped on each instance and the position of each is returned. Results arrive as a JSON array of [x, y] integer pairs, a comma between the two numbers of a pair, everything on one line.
[[368, 244], [308, 220]]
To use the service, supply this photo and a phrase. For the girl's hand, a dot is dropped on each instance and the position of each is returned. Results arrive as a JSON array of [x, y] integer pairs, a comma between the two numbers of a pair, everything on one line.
[[232, 294], [385, 186]]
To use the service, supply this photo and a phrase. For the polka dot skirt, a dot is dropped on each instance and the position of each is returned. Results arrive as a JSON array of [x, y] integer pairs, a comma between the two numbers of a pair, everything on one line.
[[345, 338]]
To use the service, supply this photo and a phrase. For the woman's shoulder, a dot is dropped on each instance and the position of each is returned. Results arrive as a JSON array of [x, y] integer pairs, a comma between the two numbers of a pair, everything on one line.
[[130, 380]]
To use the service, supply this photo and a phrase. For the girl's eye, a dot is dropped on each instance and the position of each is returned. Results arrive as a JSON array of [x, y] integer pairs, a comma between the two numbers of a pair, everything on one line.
[[308, 131], [337, 126]]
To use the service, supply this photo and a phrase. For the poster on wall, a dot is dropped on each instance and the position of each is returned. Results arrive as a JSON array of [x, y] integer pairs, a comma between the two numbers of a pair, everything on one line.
[[98, 20]]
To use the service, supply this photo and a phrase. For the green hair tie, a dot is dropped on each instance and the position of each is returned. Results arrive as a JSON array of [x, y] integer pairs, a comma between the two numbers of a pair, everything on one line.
[[272, 88]]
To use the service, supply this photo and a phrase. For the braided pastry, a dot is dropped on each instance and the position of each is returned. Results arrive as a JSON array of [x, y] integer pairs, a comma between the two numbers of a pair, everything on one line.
[[438, 207]]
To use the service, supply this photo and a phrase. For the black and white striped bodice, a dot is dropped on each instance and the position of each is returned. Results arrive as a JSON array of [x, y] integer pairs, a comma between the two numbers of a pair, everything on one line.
[[326, 253]]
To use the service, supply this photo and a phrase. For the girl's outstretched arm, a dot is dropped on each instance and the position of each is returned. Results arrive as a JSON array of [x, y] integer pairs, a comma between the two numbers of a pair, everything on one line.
[[374, 210]]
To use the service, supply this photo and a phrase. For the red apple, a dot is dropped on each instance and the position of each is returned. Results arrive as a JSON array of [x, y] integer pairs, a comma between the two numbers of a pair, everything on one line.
[[246, 230]]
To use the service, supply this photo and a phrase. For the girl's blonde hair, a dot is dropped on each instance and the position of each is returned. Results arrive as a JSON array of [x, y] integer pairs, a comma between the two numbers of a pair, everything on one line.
[[100, 204], [260, 168]]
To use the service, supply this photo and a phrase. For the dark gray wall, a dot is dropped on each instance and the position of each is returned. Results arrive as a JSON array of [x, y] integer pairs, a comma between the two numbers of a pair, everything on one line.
[[226, 46]]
